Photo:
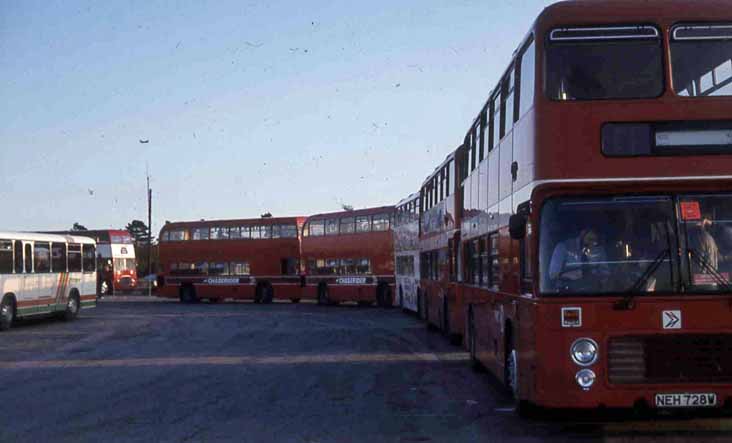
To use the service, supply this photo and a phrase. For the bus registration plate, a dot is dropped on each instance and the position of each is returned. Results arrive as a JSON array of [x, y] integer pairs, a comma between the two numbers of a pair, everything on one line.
[[686, 400]]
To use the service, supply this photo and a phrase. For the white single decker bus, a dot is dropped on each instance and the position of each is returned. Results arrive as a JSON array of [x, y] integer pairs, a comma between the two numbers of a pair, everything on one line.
[[42, 274]]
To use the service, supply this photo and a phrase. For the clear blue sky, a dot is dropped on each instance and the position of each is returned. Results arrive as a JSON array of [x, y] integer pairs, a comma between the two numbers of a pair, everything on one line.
[[292, 107]]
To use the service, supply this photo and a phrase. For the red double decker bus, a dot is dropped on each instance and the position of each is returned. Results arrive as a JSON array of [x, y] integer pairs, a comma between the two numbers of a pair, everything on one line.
[[597, 251], [116, 259], [349, 256], [253, 259], [440, 303]]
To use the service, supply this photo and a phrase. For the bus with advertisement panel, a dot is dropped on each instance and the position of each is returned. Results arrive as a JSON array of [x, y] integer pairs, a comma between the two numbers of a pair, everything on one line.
[[249, 259], [406, 253], [45, 274], [597, 233], [439, 242], [349, 256]]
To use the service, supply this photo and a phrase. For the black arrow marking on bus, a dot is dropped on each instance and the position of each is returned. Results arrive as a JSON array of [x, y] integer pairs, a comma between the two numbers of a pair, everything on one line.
[[672, 320]]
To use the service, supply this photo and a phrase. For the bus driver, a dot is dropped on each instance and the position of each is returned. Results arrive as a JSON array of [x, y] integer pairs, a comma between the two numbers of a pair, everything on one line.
[[575, 260]]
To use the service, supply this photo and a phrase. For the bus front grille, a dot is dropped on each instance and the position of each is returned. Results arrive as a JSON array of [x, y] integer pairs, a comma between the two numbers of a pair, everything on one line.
[[674, 358], [125, 282]]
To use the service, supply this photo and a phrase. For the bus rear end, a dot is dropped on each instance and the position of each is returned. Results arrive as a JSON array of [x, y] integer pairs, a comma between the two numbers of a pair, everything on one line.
[[349, 257]]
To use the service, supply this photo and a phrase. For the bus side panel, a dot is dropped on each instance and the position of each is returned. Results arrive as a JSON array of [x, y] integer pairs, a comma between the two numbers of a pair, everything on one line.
[[221, 292], [456, 309], [487, 323], [363, 293]]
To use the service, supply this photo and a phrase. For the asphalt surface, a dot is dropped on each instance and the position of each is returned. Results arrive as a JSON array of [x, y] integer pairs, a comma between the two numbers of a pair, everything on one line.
[[143, 371]]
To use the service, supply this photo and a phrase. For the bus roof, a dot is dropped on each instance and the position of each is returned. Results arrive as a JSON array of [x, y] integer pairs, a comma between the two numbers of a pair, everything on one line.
[[582, 12], [449, 157], [409, 198], [233, 222], [355, 212], [35, 236]]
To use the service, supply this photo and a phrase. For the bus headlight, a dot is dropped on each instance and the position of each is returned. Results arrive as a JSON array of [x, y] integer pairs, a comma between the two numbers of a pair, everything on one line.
[[584, 351], [585, 378]]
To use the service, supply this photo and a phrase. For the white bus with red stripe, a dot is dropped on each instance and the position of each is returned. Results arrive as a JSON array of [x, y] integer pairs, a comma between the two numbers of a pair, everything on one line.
[[42, 274]]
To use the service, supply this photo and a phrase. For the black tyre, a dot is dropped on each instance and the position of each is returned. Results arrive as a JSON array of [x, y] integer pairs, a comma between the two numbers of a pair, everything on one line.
[[364, 303], [72, 307], [266, 294], [323, 298], [420, 311], [429, 324], [188, 294], [383, 296], [7, 313], [295, 300], [511, 373]]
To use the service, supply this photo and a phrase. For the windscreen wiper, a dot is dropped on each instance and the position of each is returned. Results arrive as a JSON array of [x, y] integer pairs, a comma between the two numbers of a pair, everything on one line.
[[626, 302], [719, 278]]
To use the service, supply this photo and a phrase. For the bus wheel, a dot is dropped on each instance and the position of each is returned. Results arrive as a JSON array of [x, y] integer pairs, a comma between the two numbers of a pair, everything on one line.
[[295, 300], [511, 373], [383, 296], [323, 298], [266, 294], [430, 326], [364, 303], [188, 294], [72, 307], [420, 311], [7, 313]]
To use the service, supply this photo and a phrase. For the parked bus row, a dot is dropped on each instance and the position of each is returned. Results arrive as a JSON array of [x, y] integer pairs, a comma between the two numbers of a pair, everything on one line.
[[578, 242], [331, 258]]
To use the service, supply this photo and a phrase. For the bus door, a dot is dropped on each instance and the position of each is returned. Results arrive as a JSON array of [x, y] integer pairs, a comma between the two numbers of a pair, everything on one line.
[[18, 269], [31, 284]]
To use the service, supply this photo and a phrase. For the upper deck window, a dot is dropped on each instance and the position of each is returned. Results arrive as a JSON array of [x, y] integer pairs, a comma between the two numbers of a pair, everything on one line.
[[614, 62], [317, 227], [363, 223], [381, 222], [701, 58], [219, 233], [288, 231], [347, 225], [331, 226], [200, 233]]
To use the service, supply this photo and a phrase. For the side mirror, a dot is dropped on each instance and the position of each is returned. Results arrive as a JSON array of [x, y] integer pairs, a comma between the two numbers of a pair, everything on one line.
[[517, 226]]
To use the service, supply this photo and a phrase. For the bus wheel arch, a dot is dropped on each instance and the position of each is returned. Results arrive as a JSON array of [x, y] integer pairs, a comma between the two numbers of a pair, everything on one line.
[[8, 311]]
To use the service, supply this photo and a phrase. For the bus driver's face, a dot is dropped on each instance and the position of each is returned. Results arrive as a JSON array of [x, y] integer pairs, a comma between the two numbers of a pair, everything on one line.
[[590, 239]]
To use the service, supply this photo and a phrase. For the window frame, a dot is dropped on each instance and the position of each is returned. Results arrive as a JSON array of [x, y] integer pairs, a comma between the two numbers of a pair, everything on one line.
[[74, 249]]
